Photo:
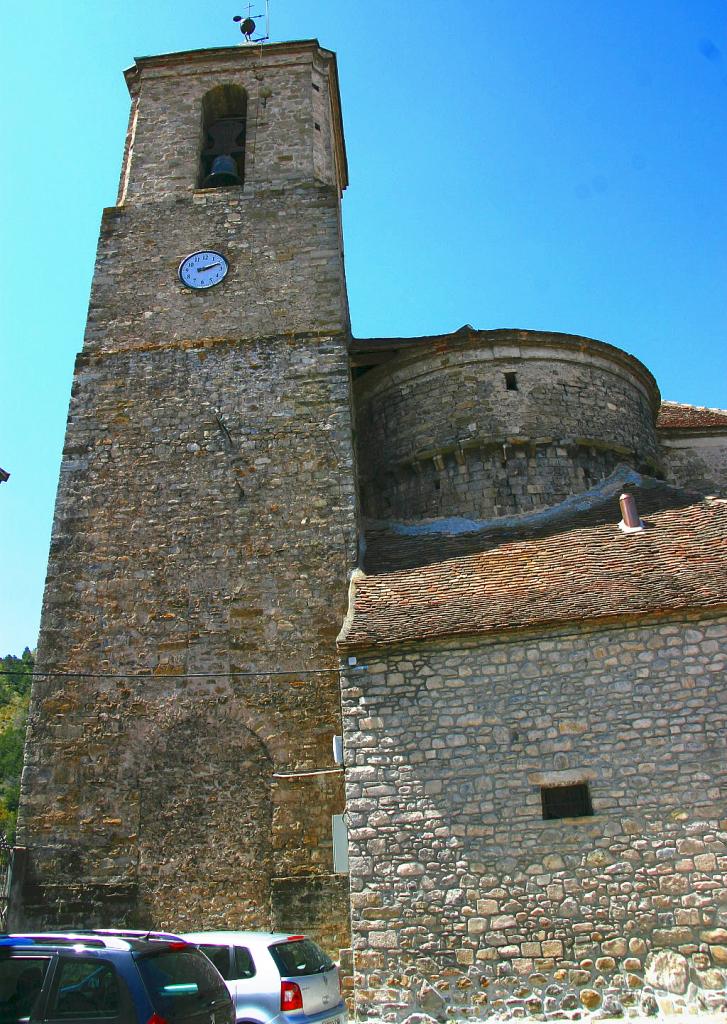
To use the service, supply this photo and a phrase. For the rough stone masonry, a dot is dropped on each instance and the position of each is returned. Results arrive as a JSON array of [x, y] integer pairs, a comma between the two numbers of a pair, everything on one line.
[[464, 900], [178, 766], [532, 691]]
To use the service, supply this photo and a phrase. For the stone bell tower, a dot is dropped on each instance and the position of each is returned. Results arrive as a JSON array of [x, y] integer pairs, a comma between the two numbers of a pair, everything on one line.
[[179, 767]]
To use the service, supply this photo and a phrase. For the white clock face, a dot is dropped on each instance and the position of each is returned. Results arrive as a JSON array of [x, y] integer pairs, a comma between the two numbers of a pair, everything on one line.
[[203, 269]]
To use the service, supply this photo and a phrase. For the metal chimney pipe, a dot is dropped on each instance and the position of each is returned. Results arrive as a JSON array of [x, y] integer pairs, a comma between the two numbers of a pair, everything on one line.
[[629, 513]]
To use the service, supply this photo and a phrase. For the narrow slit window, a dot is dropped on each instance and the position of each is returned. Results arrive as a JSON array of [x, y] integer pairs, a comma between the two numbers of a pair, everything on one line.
[[566, 801], [511, 382]]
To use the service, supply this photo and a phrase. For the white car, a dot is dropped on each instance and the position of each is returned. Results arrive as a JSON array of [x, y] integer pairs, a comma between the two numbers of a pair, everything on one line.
[[275, 978]]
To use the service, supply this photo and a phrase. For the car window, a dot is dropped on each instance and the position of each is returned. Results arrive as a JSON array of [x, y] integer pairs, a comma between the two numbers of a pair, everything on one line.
[[181, 982], [300, 957], [21, 979], [84, 989], [244, 966], [220, 957]]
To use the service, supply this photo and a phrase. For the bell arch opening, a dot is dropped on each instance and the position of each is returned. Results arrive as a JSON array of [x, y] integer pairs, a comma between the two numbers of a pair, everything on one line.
[[224, 122]]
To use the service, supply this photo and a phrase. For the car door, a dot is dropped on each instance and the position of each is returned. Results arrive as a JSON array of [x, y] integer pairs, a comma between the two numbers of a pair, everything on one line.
[[242, 984], [21, 982], [87, 989]]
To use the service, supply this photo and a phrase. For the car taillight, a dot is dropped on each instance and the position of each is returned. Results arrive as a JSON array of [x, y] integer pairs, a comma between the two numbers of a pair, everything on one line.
[[156, 1019], [291, 997]]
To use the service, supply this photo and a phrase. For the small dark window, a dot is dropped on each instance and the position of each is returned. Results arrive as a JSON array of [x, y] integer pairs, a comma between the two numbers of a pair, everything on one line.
[[220, 957], [316, 126], [316, 87], [566, 801], [511, 382], [244, 967]]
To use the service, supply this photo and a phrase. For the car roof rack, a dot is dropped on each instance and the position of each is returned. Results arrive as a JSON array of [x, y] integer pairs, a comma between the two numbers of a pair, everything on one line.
[[135, 933], [70, 938]]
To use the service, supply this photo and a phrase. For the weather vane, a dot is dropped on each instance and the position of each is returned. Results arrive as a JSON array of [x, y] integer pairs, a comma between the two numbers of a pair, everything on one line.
[[248, 25]]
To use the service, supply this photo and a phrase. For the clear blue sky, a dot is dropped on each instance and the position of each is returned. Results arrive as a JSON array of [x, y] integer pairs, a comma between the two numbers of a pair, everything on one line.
[[547, 164]]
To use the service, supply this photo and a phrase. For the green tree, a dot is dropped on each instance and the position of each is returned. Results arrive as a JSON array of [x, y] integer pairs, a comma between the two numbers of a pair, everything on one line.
[[15, 679]]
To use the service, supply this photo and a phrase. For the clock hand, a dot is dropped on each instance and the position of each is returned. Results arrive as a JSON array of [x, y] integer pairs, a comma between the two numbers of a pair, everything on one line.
[[208, 267]]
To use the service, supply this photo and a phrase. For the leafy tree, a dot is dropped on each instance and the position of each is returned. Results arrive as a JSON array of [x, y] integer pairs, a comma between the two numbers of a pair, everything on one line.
[[15, 678]]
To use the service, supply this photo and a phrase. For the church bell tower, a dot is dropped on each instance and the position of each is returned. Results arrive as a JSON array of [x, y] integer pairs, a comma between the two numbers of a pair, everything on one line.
[[179, 769]]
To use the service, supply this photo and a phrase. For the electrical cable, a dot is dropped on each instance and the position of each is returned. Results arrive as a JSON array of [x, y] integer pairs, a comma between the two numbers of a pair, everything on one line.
[[171, 675]]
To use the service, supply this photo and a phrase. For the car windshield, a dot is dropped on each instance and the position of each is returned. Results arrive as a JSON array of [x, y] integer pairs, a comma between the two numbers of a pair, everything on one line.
[[180, 982], [302, 956]]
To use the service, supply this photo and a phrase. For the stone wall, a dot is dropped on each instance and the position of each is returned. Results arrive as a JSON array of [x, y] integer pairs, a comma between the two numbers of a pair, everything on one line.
[[201, 529], [291, 88], [441, 433], [697, 463], [286, 271], [312, 906], [489, 480], [464, 899], [179, 756], [174, 807]]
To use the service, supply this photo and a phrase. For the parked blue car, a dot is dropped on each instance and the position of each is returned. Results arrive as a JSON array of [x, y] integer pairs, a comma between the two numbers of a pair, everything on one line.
[[95, 978]]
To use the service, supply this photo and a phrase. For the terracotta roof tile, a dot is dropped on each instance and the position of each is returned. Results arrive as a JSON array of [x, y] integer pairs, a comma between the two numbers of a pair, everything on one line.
[[578, 566], [676, 416]]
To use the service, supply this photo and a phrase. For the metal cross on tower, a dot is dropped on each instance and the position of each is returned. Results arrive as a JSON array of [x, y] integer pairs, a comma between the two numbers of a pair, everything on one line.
[[248, 24]]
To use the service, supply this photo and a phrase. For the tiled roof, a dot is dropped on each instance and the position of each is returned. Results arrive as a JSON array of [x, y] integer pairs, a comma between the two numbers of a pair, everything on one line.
[[576, 566], [676, 416]]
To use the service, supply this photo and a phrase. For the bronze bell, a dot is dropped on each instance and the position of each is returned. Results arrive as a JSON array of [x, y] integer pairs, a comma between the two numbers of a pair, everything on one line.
[[222, 172]]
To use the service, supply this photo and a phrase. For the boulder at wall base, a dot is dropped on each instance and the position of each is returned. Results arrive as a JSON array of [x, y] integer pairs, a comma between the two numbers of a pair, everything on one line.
[[713, 1002], [611, 1008], [712, 980], [668, 970], [590, 998], [648, 1005], [432, 1002]]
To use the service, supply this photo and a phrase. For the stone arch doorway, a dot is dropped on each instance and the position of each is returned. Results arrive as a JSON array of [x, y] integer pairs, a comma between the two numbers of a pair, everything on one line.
[[205, 814]]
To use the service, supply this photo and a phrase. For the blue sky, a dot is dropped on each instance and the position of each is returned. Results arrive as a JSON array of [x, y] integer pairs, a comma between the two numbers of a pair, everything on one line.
[[546, 164]]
